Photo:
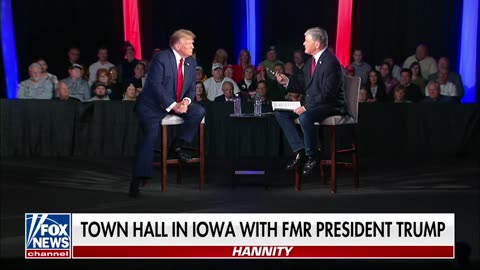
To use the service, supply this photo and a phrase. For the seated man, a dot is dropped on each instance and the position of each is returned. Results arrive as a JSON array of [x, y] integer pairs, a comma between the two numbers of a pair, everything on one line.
[[324, 97], [434, 95], [63, 92], [99, 92], [399, 94], [227, 89], [166, 94], [36, 87]]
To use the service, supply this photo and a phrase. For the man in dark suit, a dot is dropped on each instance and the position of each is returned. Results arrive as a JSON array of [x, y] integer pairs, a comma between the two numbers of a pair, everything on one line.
[[324, 97], [227, 89], [169, 89]]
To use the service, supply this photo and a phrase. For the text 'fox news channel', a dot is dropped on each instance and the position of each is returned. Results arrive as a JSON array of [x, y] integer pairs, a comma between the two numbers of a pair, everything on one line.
[[239, 235]]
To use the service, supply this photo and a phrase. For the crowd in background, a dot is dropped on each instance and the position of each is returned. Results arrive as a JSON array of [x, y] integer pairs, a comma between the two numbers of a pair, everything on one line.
[[419, 79]]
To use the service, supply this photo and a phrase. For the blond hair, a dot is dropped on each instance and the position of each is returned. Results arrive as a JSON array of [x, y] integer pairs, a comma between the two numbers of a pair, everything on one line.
[[181, 33]]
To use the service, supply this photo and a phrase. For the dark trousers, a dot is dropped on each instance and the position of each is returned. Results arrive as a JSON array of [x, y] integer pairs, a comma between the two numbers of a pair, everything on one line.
[[151, 128], [306, 137]]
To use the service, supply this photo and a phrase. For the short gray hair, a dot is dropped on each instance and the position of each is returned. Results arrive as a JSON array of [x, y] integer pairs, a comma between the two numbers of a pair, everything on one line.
[[437, 85], [318, 34], [35, 64]]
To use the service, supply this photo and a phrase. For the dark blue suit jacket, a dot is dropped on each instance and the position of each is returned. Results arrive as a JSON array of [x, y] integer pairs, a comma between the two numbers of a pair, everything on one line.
[[325, 88], [160, 89]]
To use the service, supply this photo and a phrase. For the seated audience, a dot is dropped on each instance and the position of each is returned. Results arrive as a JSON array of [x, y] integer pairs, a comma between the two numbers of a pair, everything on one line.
[[130, 93], [446, 88], [116, 91], [399, 94], [454, 77], [244, 60], [220, 57], [270, 62], [361, 68], [73, 57], [201, 95], [435, 96], [363, 95], [394, 68], [228, 72], [248, 83], [413, 93], [213, 85], [138, 79], [63, 93], [417, 78], [99, 92], [200, 75], [126, 66], [375, 87], [427, 63], [36, 87], [227, 89], [78, 87], [388, 80], [47, 76], [102, 62]]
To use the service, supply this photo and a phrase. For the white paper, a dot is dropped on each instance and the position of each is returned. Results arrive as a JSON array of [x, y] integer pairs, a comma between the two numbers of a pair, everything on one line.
[[285, 105]]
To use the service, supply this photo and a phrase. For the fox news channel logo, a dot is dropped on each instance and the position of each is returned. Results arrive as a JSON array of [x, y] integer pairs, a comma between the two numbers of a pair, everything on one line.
[[47, 236]]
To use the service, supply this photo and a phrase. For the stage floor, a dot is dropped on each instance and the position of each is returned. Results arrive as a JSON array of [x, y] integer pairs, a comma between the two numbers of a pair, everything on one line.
[[101, 185]]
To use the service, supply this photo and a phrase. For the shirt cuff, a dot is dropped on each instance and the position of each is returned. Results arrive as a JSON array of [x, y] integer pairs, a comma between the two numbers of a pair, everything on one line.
[[171, 106], [188, 99]]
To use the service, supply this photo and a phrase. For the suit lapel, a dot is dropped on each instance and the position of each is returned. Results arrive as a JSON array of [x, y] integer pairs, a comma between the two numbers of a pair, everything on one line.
[[318, 66]]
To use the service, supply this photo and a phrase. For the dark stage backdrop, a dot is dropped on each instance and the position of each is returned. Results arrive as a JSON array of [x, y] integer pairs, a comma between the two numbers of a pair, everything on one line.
[[48, 27]]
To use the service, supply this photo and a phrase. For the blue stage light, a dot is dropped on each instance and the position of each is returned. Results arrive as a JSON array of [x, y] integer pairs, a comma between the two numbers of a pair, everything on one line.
[[468, 49], [8, 49]]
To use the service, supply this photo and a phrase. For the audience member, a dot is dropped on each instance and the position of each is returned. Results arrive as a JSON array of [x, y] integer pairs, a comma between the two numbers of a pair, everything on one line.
[[270, 62], [200, 75], [349, 70], [228, 71], [446, 88], [101, 63], [36, 87], [361, 68], [244, 60], [434, 95], [138, 78], [413, 93], [399, 94], [394, 68], [363, 95], [213, 85], [99, 92], [388, 80], [114, 84], [130, 93], [201, 95], [126, 66], [78, 87], [47, 76], [73, 57], [220, 57], [63, 93], [227, 89], [248, 84], [299, 60], [375, 87], [454, 77], [417, 78], [427, 63]]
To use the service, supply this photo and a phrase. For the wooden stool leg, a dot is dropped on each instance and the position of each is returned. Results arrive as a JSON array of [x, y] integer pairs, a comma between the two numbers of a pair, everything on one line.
[[320, 143], [298, 178], [333, 158], [202, 155], [354, 157], [164, 158]]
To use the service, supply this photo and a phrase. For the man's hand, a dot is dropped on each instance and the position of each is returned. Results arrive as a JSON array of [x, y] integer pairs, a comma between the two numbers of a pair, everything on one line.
[[181, 107], [299, 110], [281, 78]]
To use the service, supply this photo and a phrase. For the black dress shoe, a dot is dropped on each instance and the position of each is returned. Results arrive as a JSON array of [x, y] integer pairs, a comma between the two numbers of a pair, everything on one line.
[[298, 160], [310, 164], [182, 155]]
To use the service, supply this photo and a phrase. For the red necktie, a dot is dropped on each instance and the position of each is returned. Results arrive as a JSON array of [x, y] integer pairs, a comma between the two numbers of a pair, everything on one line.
[[313, 67], [179, 80]]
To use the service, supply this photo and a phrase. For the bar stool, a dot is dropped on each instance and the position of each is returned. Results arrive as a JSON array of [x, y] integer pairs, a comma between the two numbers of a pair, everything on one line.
[[173, 120]]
